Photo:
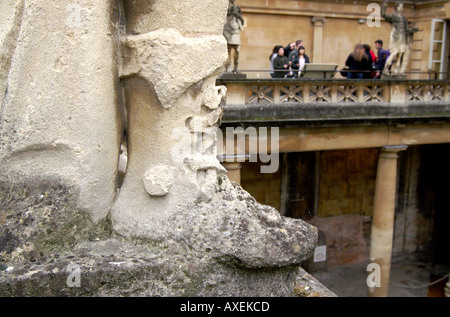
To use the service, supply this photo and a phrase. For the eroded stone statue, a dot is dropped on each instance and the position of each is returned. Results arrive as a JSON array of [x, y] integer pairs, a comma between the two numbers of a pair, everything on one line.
[[176, 226], [232, 32], [401, 39]]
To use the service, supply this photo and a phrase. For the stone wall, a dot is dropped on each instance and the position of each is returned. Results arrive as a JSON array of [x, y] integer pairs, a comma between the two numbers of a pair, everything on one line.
[[344, 196], [340, 204], [347, 182], [265, 188]]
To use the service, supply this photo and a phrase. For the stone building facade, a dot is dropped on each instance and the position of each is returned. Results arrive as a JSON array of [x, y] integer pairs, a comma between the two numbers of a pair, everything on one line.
[[331, 29], [344, 162], [328, 166]]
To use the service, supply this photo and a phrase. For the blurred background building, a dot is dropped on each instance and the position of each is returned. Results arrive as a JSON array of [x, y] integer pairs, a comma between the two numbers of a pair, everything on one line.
[[334, 132]]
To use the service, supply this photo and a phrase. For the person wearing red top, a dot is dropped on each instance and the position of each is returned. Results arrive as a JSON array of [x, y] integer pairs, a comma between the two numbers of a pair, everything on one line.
[[372, 61]]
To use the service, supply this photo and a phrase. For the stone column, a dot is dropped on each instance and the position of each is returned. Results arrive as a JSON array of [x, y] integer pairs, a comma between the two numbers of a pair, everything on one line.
[[233, 171], [172, 114], [175, 191], [318, 23], [383, 218], [233, 164]]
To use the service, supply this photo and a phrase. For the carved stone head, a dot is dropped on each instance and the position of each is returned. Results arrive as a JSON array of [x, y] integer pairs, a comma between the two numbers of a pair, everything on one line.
[[398, 6]]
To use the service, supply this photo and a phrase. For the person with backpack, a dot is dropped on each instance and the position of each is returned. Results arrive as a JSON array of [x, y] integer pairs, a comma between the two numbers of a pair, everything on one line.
[[383, 55]]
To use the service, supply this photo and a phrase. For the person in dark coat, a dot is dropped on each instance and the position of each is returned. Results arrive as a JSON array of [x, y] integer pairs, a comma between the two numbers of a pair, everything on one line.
[[288, 49], [272, 57], [382, 58], [358, 60], [280, 64]]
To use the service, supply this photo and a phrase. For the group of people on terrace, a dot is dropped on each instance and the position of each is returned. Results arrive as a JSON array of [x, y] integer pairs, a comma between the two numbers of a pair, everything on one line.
[[363, 63], [289, 61]]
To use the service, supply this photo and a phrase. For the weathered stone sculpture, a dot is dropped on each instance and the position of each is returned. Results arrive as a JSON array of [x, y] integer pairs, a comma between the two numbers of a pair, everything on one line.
[[58, 117], [232, 29], [400, 40], [143, 72]]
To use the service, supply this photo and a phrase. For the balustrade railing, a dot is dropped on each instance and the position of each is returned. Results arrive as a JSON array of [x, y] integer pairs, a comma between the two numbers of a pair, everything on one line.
[[337, 91]]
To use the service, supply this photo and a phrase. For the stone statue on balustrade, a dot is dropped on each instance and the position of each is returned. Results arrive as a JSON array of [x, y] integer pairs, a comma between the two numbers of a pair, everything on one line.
[[401, 39], [233, 26]]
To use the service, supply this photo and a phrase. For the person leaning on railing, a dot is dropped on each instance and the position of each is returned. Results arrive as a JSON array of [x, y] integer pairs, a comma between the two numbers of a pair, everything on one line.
[[280, 64], [302, 60], [272, 57], [383, 55], [358, 63]]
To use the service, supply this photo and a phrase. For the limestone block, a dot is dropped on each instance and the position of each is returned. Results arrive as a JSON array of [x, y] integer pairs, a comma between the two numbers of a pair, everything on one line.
[[173, 120], [171, 62], [235, 229], [163, 137], [116, 268], [158, 180], [59, 113], [188, 16]]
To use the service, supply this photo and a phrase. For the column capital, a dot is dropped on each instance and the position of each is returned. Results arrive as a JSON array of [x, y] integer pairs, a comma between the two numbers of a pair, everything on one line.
[[231, 166], [391, 151], [318, 21], [233, 158], [233, 171]]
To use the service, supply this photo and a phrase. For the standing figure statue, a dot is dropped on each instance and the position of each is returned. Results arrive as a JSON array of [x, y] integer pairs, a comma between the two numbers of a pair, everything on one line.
[[233, 27], [401, 40]]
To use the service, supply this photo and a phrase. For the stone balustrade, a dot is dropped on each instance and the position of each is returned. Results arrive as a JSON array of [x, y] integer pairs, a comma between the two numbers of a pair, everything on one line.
[[334, 101], [320, 115], [337, 91]]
